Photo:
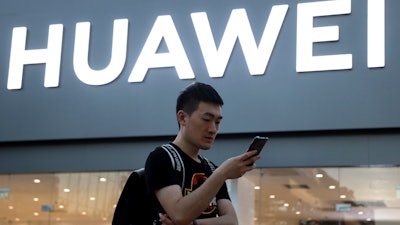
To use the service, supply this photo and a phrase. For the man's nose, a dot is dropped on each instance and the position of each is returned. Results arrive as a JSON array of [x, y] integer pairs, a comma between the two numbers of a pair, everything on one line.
[[213, 128]]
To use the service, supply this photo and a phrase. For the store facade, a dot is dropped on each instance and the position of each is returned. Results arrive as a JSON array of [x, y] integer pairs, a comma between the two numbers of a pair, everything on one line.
[[90, 86]]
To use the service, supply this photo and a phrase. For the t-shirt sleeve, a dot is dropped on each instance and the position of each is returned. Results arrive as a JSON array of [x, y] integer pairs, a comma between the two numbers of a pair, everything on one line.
[[159, 172], [223, 193]]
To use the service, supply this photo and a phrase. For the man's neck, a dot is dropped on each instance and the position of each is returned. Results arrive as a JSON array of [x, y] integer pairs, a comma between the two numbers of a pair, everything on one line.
[[190, 150]]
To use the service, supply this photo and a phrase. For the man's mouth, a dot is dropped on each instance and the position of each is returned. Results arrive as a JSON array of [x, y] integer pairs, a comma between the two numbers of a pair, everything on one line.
[[210, 138]]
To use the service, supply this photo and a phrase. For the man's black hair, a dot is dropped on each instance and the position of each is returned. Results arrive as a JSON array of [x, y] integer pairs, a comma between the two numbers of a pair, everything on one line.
[[195, 93]]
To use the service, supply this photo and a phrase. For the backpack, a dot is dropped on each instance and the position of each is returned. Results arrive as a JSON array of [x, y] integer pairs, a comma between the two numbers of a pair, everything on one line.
[[135, 206]]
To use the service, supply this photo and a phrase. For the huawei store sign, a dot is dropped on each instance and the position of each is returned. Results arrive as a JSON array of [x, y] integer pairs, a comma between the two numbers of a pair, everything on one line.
[[216, 58]]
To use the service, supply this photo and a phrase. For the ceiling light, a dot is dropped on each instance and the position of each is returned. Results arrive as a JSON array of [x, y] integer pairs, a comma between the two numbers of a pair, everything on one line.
[[10, 207], [360, 213], [66, 190], [272, 196], [332, 187], [36, 181], [35, 199], [84, 213], [92, 198], [342, 196], [286, 204], [298, 212], [36, 214], [257, 187], [102, 179], [319, 175]]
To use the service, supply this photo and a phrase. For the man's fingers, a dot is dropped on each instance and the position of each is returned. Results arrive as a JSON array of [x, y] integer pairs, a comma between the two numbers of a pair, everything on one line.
[[250, 154]]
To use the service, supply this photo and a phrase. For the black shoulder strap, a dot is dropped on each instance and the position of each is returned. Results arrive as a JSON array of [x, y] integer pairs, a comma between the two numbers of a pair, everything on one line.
[[176, 160], [209, 163]]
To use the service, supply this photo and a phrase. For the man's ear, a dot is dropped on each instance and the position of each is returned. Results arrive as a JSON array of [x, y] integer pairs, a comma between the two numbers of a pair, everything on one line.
[[181, 116]]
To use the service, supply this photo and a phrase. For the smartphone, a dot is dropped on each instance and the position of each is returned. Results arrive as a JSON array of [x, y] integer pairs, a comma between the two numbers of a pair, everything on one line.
[[258, 143]]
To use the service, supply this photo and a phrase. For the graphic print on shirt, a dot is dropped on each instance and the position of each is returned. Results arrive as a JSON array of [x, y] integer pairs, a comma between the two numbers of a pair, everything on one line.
[[197, 180]]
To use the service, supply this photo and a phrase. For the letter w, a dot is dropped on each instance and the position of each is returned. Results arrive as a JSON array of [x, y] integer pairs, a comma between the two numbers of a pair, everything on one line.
[[238, 27]]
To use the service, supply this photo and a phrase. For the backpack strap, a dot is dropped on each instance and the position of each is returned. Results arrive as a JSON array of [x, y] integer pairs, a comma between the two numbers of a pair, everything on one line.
[[176, 160], [209, 163]]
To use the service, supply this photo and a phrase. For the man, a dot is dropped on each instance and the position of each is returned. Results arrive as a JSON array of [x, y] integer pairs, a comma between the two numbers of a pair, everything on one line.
[[204, 199]]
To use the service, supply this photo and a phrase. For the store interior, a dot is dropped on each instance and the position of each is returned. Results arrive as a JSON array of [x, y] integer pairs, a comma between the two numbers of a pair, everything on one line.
[[279, 196]]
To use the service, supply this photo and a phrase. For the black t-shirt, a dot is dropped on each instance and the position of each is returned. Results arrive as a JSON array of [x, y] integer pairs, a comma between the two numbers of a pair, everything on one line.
[[160, 173]]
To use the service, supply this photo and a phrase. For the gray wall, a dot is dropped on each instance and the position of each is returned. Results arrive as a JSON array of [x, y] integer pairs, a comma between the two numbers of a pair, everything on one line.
[[372, 148], [278, 100], [339, 117]]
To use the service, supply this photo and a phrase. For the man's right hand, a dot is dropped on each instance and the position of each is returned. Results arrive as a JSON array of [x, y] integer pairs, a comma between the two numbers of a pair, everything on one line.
[[236, 167]]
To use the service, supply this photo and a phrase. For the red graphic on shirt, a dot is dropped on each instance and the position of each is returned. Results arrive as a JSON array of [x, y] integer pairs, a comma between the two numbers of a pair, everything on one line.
[[197, 180]]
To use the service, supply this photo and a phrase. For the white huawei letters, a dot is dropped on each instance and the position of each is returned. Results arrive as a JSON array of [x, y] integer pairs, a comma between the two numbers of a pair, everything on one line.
[[164, 27], [376, 33], [118, 54], [51, 55], [307, 35], [238, 28], [216, 59]]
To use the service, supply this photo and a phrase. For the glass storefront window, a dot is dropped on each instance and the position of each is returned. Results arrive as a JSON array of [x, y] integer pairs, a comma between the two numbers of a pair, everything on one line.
[[60, 198], [280, 196], [326, 196]]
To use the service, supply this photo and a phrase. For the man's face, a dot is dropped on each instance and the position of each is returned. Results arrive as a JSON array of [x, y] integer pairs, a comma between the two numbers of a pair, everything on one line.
[[202, 126]]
